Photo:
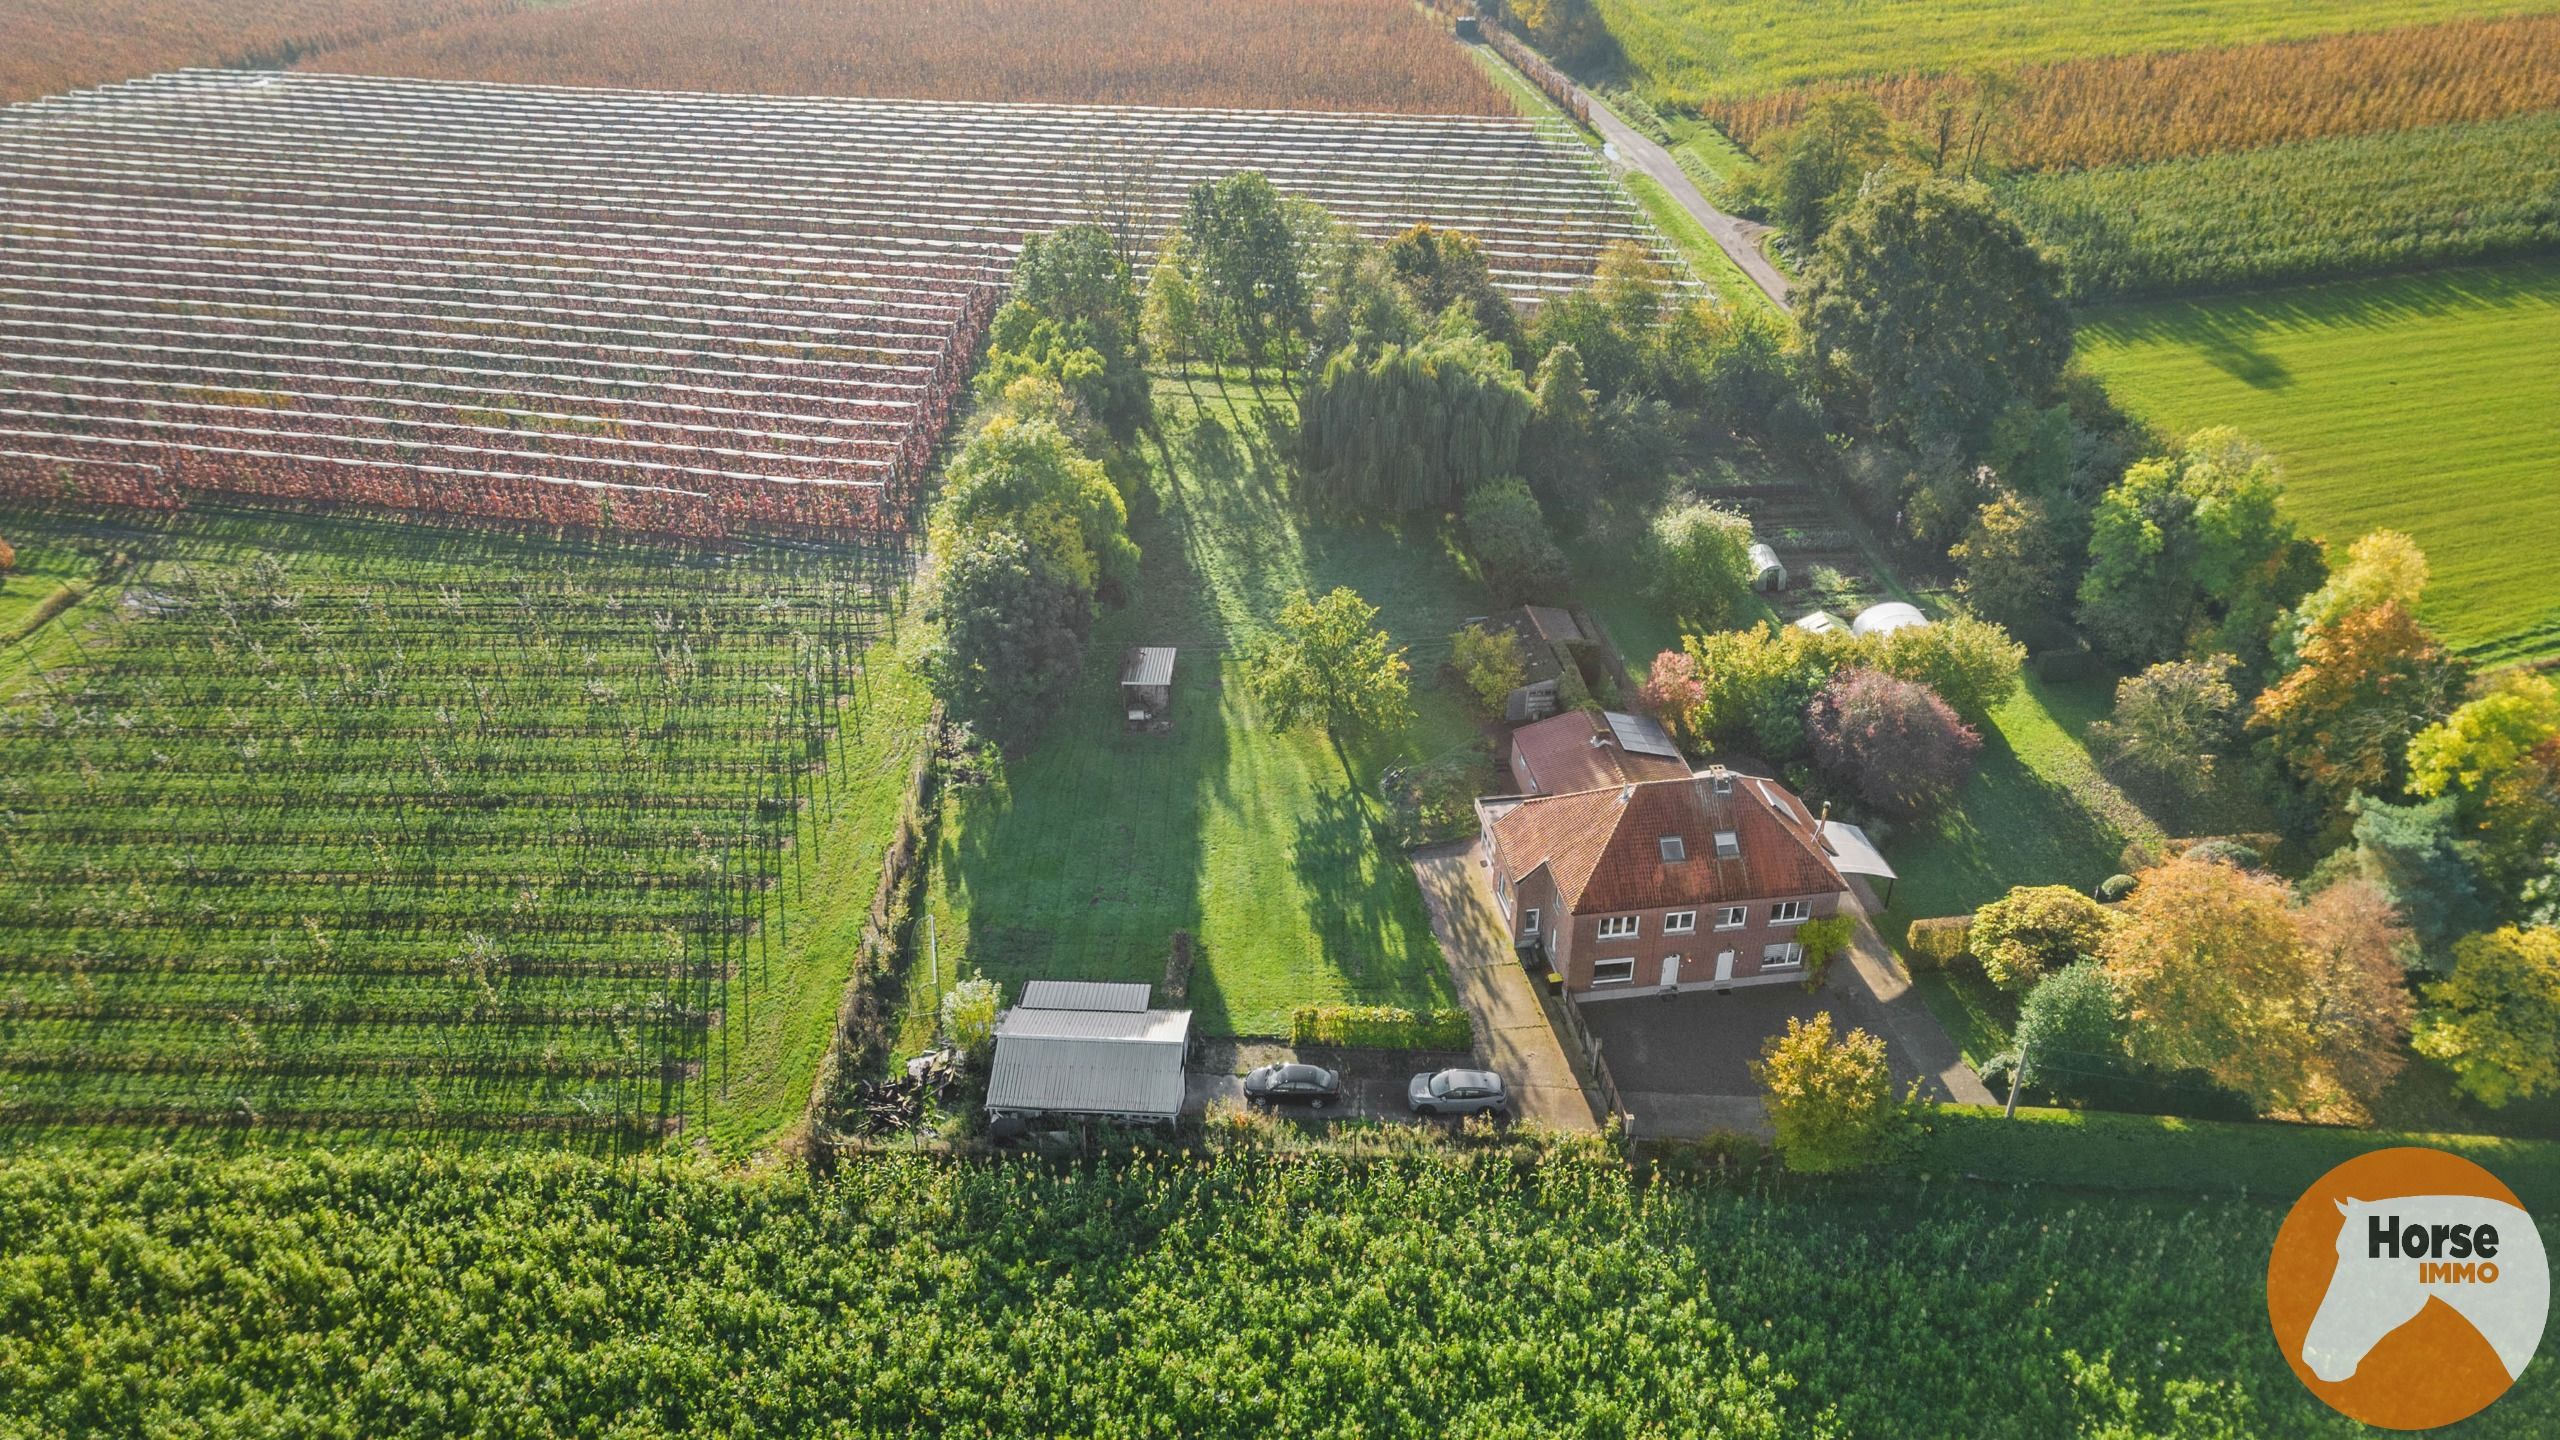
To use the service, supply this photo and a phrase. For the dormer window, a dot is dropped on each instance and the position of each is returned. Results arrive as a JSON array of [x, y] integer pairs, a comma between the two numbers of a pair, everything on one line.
[[1728, 845], [1720, 781], [1674, 848]]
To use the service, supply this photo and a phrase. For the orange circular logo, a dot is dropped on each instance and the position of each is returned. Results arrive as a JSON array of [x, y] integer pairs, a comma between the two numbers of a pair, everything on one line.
[[2408, 1288]]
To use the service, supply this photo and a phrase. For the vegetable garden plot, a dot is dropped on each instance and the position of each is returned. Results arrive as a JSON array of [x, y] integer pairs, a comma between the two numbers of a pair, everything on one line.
[[411, 830], [697, 315]]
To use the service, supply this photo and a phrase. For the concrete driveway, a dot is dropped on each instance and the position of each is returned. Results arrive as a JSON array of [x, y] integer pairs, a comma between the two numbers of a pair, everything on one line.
[[1683, 1063], [1514, 1037]]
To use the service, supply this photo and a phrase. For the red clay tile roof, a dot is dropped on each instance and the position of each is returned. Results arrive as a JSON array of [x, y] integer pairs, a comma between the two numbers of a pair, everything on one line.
[[1561, 758], [1603, 847]]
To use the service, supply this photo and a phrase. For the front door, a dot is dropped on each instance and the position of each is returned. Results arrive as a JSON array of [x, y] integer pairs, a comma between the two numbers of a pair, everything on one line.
[[1724, 967], [1670, 972]]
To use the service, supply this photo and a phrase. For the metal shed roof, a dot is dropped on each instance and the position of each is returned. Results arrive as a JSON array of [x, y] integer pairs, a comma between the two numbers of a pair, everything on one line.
[[1084, 995], [1090, 1062], [1148, 665]]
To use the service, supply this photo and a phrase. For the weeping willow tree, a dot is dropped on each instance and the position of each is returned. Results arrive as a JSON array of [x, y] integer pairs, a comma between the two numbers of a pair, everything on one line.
[[1412, 427]]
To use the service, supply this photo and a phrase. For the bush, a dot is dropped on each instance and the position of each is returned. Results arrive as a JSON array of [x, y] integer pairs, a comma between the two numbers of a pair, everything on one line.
[[1830, 1098], [1380, 1027], [969, 1014], [1939, 944], [2034, 929], [1700, 557], [2227, 852], [1490, 661], [2116, 887], [1508, 535], [2071, 1029], [1971, 664], [1893, 743], [1824, 941]]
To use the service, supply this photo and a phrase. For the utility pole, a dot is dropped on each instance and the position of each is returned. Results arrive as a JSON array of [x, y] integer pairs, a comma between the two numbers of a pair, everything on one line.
[[2017, 1082]]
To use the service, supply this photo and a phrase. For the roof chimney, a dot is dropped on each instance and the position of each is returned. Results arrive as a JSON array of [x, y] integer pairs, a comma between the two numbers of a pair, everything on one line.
[[1626, 795]]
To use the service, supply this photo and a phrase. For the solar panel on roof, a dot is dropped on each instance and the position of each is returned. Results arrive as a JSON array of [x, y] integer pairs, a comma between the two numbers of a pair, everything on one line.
[[1641, 735]]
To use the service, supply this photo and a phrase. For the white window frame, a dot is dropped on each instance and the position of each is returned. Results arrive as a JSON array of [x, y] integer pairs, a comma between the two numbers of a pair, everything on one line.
[[1621, 927], [1728, 845], [1598, 979], [1529, 920], [1732, 917], [1721, 784], [1680, 922], [1778, 912], [1672, 848], [1783, 955]]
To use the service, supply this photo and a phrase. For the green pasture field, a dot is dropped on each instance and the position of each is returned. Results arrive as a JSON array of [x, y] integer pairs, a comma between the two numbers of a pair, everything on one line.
[[338, 827], [1686, 51], [1097, 845], [2426, 403]]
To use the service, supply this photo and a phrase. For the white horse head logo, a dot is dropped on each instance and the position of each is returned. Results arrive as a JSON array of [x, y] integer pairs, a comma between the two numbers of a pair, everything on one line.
[[2395, 1255]]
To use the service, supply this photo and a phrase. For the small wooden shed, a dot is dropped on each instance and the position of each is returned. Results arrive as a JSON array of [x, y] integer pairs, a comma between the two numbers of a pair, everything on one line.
[[1146, 688]]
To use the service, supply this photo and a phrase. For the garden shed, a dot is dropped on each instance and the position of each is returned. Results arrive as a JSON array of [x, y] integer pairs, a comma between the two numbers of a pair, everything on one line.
[[1089, 1050], [1766, 572], [1820, 622], [1146, 688]]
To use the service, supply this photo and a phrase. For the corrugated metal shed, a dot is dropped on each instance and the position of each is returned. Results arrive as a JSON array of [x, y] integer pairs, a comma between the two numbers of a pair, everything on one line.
[[1148, 665], [1109, 1058], [1083, 995]]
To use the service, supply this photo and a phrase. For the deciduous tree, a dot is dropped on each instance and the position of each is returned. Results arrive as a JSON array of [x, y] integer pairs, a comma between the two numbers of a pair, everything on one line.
[[2383, 568], [1816, 166], [1507, 533], [1010, 639], [1490, 663], [1027, 478], [2189, 555], [1331, 666], [2171, 724], [2367, 684], [2500, 755], [2495, 1021], [2213, 974], [2036, 929], [2358, 954], [1934, 299], [1894, 744], [1830, 1097], [1698, 562], [1971, 664]]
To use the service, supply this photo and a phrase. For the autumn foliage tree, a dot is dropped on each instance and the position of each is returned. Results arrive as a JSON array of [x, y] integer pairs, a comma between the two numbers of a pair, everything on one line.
[[2496, 1019], [2036, 929], [2367, 684], [1830, 1096], [2190, 555], [2220, 973]]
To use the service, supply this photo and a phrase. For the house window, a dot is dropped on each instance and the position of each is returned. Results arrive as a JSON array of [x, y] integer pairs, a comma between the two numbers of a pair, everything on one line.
[[1728, 845], [1619, 927], [1529, 921], [1787, 912], [1785, 955], [1613, 972], [1674, 848], [1680, 922], [1721, 783], [1733, 917]]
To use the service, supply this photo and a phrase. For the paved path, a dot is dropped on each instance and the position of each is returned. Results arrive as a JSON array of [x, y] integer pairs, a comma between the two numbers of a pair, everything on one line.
[[1907, 1022], [1514, 1038], [1739, 238]]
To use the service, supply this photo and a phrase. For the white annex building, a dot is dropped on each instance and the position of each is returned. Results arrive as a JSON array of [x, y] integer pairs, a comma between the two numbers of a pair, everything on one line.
[[1090, 1050]]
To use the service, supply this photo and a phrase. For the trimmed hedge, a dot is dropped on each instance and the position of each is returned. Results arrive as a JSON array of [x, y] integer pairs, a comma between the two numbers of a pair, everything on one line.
[[1380, 1027], [1940, 943], [2111, 1151]]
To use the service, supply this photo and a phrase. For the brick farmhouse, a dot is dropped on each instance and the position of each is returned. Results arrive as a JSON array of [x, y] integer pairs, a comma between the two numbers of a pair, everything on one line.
[[1653, 878]]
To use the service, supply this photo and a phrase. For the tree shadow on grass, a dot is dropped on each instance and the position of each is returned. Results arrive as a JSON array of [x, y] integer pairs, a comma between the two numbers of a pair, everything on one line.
[[1363, 905], [2009, 826]]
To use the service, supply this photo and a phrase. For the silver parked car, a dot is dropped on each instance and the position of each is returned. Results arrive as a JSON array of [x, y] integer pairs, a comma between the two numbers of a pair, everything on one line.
[[1458, 1092]]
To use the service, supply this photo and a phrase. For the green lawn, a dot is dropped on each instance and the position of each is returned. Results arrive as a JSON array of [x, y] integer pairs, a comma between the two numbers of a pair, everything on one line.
[[1098, 845], [1684, 51], [2427, 403]]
